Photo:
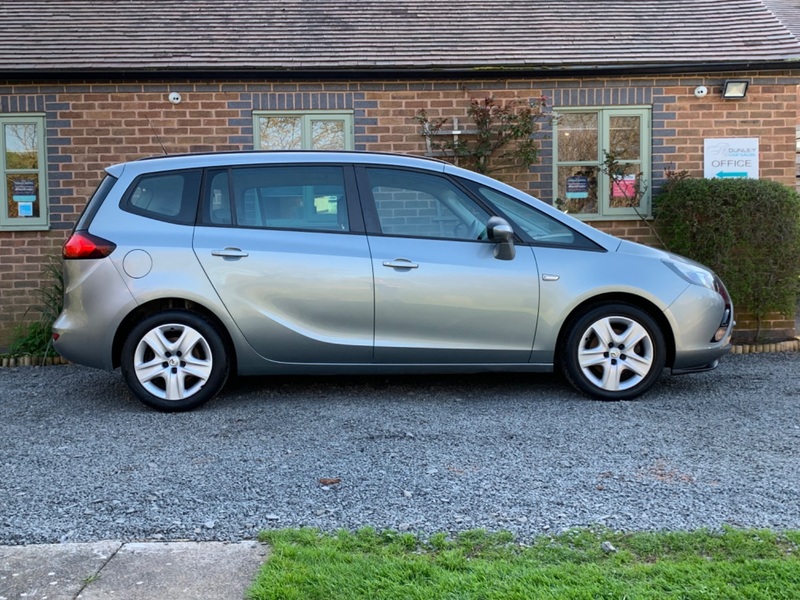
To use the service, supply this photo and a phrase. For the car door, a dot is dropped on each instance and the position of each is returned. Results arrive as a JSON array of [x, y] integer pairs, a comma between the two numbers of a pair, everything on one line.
[[441, 296], [285, 249]]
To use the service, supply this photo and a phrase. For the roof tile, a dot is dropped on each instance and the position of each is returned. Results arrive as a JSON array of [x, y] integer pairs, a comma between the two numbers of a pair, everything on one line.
[[310, 35]]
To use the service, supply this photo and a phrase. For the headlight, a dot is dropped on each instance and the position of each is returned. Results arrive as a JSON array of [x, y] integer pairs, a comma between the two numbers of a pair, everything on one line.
[[693, 274], [703, 277]]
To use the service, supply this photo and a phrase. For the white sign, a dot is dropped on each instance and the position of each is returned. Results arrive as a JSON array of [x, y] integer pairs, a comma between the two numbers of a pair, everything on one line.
[[731, 157]]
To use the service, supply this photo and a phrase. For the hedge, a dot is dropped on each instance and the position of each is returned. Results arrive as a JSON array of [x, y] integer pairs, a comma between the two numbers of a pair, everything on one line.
[[747, 230]]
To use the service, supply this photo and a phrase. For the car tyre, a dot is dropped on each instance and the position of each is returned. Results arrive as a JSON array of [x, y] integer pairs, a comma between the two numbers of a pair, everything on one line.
[[174, 361], [613, 352]]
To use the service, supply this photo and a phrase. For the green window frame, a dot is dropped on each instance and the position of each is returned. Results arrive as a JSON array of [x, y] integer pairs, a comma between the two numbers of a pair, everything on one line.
[[23, 167], [303, 130], [581, 138]]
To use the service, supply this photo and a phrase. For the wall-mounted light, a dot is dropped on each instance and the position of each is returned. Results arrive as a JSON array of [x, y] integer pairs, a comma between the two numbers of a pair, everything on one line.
[[735, 89]]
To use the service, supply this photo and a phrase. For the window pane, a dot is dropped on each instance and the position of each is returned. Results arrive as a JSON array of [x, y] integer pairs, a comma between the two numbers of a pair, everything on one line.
[[306, 198], [577, 190], [624, 188], [280, 133], [169, 197], [21, 146], [417, 204], [23, 195], [161, 195], [218, 199], [577, 137], [624, 136], [327, 135], [539, 226]]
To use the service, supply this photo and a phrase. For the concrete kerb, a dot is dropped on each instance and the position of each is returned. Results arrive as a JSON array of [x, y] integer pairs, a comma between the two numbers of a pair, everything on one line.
[[130, 571], [787, 346]]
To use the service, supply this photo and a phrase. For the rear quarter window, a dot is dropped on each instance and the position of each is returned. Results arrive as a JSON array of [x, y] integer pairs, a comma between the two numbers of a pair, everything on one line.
[[169, 196], [95, 202]]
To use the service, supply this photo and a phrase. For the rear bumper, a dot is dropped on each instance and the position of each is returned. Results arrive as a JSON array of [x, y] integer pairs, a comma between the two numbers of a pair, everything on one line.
[[96, 299]]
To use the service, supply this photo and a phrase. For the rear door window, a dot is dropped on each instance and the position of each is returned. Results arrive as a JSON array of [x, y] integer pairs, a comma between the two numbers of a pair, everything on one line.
[[308, 198]]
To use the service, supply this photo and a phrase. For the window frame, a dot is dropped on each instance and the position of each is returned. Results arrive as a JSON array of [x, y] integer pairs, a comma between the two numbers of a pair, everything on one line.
[[42, 222], [306, 117], [604, 115]]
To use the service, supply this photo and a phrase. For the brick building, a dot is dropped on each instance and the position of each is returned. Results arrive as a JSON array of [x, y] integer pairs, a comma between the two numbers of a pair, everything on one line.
[[84, 84]]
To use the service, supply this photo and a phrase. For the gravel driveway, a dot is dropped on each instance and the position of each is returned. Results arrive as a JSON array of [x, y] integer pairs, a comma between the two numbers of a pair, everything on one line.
[[81, 460]]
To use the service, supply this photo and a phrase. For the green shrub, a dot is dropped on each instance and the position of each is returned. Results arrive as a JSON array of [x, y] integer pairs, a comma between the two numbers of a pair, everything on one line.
[[35, 338], [747, 230]]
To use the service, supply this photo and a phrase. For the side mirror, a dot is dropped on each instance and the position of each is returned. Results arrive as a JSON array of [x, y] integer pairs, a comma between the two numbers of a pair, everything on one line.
[[498, 230]]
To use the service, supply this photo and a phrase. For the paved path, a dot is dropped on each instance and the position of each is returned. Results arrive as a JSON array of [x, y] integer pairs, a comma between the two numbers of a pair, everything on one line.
[[129, 571]]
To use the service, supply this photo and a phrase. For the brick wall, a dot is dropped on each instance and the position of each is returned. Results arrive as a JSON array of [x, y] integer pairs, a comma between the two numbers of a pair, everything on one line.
[[92, 125], [769, 112], [773, 327], [797, 143]]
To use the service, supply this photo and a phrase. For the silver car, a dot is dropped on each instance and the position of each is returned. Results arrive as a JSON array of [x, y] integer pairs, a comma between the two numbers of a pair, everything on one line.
[[185, 269]]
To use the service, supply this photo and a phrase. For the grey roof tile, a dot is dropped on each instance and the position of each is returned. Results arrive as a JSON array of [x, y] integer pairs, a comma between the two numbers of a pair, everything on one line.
[[788, 11], [274, 35]]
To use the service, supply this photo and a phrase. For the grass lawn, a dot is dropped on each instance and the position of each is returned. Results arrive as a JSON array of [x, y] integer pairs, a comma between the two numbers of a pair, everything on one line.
[[308, 565]]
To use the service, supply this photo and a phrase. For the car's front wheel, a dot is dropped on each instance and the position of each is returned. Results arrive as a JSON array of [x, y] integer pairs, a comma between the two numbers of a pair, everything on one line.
[[613, 352], [174, 361]]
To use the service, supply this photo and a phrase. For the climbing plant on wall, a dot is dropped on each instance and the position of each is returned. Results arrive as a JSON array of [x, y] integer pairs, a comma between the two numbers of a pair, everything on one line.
[[498, 135]]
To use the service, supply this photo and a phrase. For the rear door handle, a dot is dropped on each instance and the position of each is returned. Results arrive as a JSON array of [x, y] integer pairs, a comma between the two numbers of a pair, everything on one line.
[[400, 263], [230, 253]]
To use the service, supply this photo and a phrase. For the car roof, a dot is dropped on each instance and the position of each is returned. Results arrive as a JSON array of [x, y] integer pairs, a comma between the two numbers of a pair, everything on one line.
[[265, 157]]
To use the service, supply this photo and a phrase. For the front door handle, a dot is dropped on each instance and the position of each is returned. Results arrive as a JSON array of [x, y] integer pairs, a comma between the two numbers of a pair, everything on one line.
[[230, 253], [400, 263]]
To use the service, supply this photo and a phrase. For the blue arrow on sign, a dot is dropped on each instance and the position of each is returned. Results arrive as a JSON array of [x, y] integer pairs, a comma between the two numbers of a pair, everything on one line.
[[724, 174]]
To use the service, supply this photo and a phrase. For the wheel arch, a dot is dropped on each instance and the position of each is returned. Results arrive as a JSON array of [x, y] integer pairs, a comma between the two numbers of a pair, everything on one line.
[[156, 306], [617, 298]]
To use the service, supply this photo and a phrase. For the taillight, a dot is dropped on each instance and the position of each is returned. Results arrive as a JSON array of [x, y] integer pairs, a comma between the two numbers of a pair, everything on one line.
[[83, 244]]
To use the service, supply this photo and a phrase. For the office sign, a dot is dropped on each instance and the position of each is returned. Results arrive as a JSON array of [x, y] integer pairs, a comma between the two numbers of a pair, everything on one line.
[[730, 157]]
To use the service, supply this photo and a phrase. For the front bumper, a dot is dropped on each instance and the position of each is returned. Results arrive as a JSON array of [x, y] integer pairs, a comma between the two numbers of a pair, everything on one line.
[[696, 317]]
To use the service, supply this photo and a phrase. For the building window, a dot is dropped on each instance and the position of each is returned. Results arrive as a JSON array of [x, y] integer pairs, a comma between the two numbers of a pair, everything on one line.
[[583, 138], [24, 172], [318, 130]]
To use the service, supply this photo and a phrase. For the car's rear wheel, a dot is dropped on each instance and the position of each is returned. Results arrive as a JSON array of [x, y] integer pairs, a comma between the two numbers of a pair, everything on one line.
[[613, 352], [174, 361]]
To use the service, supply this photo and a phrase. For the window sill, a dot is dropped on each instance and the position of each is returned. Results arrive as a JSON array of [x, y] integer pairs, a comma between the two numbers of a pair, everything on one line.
[[24, 228]]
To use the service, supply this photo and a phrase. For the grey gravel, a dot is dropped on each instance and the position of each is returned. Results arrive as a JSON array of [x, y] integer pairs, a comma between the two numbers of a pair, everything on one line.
[[81, 460]]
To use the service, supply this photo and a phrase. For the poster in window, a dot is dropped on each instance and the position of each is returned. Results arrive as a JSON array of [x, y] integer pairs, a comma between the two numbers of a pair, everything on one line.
[[577, 187], [23, 197], [624, 187], [24, 190]]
